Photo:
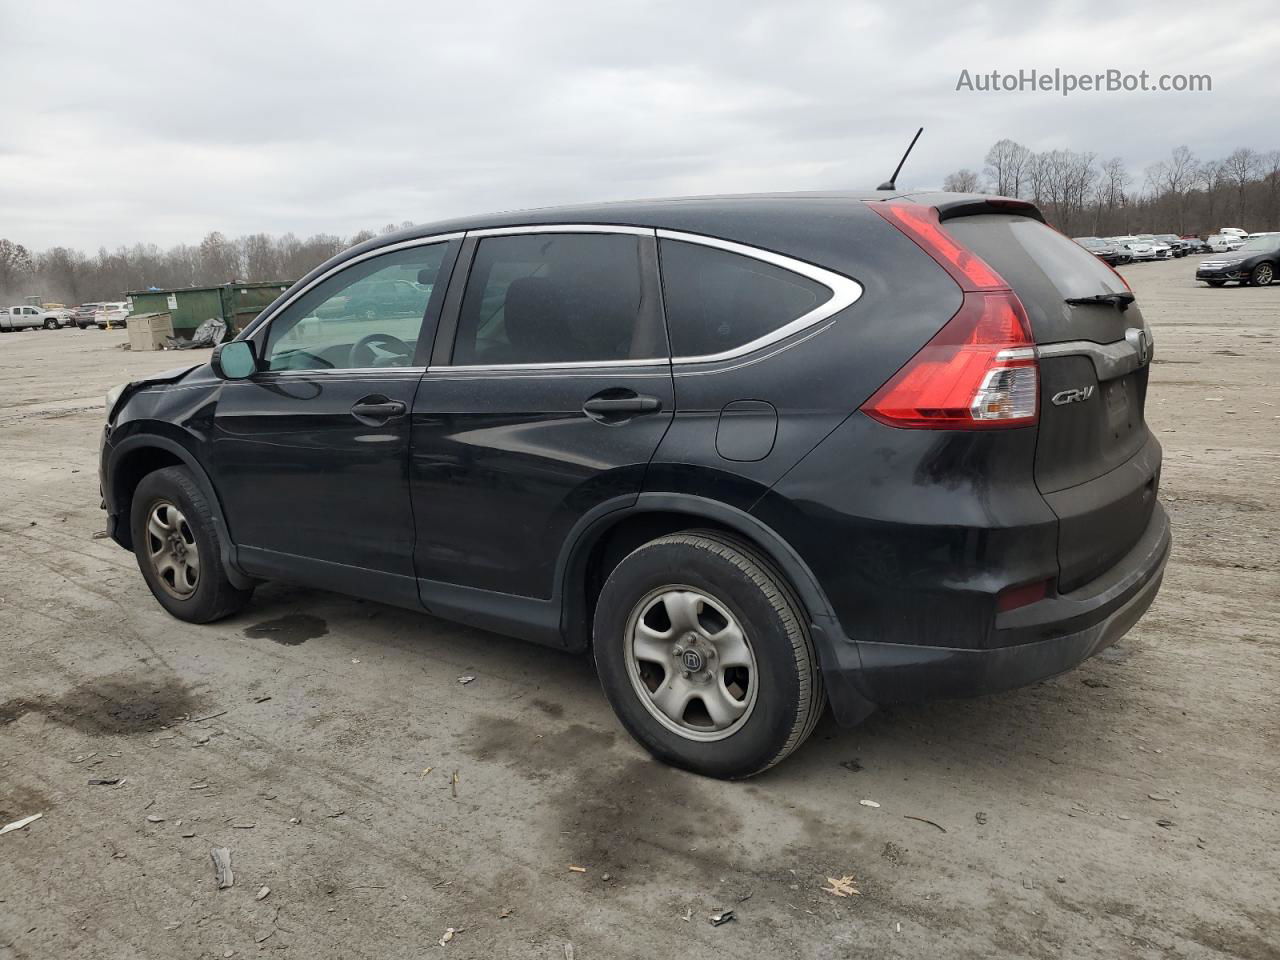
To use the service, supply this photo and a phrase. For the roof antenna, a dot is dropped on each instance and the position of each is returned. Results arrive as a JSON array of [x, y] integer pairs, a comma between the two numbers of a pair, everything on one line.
[[892, 182]]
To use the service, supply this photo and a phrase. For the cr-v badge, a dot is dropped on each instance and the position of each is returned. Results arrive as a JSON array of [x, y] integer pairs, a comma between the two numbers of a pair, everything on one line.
[[1078, 395]]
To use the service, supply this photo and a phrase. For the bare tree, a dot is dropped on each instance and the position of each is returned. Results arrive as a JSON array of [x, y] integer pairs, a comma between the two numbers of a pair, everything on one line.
[[1210, 179], [219, 260], [1112, 196], [1271, 177], [1241, 167], [1006, 167], [16, 266], [962, 181]]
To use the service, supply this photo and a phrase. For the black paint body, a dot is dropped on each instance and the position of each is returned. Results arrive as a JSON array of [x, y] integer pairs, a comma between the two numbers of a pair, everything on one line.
[[491, 501]]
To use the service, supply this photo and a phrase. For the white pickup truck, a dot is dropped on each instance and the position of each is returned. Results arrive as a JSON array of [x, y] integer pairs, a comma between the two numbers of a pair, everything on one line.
[[27, 317]]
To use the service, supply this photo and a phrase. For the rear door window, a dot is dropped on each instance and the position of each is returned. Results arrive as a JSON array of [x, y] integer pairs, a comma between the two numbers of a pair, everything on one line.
[[718, 301], [557, 298]]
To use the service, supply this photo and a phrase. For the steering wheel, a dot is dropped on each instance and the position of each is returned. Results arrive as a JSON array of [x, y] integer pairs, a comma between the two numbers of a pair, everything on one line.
[[363, 351]]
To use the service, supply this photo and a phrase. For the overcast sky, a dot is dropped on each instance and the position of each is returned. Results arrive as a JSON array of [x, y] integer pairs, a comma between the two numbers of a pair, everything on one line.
[[136, 121]]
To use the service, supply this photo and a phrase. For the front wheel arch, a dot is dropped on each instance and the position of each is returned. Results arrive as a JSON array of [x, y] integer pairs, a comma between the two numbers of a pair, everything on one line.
[[140, 455]]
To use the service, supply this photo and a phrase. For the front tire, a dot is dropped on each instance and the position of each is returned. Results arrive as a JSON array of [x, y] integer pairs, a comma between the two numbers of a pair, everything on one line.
[[704, 653], [178, 550], [1263, 274]]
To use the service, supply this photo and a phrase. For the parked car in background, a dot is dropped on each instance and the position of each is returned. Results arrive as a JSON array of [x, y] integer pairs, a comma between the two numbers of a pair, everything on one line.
[[1233, 232], [1161, 251], [113, 314], [82, 316], [1174, 243], [26, 317], [756, 455], [1105, 250], [1225, 242], [1264, 233], [1194, 244], [1138, 249], [1255, 263]]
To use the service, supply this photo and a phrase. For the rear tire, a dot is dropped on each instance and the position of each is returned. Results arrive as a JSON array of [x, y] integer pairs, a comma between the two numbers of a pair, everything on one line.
[[744, 689], [178, 550]]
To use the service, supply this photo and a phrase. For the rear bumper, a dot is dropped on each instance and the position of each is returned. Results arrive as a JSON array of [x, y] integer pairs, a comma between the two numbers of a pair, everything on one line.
[[1071, 628]]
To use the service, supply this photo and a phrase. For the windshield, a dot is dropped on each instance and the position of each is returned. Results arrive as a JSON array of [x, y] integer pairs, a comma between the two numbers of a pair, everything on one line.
[[1260, 245]]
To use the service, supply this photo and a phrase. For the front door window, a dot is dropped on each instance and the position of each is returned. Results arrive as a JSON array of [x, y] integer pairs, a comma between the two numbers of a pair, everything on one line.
[[369, 315]]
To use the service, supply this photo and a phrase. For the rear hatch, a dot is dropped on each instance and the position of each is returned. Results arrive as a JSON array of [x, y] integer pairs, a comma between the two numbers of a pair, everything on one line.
[[1097, 464]]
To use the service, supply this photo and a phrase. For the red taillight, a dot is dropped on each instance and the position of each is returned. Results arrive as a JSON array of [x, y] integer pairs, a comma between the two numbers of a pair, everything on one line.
[[921, 224], [979, 371]]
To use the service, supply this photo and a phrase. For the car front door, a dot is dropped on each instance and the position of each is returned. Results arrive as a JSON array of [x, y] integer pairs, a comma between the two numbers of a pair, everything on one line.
[[548, 393], [310, 453]]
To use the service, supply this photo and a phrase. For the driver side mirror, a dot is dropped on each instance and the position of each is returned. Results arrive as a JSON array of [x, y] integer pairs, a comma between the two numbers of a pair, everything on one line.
[[234, 360]]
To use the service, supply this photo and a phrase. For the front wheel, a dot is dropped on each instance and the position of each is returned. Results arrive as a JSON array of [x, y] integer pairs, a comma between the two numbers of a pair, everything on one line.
[[51, 324], [178, 549], [705, 655], [1262, 275]]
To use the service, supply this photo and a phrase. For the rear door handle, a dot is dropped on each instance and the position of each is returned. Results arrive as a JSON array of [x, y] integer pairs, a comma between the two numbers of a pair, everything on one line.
[[374, 410], [612, 406]]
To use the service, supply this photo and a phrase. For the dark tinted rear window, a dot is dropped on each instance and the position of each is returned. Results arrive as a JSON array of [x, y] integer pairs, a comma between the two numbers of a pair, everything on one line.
[[1014, 245], [718, 301]]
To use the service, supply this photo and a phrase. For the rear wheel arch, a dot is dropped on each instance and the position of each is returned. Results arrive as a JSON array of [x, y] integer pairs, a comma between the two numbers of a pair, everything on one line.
[[607, 541]]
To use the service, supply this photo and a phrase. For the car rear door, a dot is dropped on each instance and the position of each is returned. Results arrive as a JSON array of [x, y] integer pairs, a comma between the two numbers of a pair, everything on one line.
[[1097, 464], [550, 388]]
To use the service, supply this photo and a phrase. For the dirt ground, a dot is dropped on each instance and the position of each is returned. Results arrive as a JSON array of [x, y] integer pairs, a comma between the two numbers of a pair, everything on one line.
[[1127, 809]]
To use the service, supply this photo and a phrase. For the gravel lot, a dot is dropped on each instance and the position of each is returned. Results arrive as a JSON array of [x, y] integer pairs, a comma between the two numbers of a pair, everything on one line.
[[1127, 809]]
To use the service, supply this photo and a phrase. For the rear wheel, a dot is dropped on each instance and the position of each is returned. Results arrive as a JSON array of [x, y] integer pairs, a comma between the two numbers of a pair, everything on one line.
[[1262, 275], [703, 651], [178, 550]]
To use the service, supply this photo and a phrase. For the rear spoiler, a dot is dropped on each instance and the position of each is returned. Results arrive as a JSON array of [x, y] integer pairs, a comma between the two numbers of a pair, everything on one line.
[[972, 206]]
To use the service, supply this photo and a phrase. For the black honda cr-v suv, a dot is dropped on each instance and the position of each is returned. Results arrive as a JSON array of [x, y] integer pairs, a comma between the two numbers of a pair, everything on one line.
[[758, 453]]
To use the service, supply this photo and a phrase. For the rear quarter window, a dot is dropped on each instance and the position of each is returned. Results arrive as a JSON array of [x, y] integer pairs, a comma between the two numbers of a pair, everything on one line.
[[717, 300]]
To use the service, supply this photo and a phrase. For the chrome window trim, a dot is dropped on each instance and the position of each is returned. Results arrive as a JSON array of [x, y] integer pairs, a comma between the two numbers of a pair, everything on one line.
[[845, 291], [561, 228], [265, 318], [566, 365]]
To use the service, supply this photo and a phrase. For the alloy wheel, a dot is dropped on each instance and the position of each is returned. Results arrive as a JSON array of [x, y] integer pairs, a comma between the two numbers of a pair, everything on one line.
[[691, 663], [172, 550]]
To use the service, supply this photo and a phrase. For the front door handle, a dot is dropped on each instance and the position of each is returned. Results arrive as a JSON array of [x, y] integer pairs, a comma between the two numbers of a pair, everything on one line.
[[376, 410]]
